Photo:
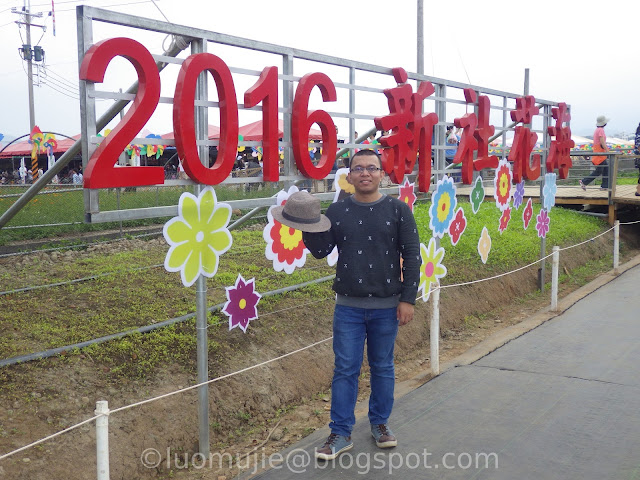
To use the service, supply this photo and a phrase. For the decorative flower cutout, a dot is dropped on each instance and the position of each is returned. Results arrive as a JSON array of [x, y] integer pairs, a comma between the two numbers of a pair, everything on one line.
[[477, 195], [342, 185], [443, 207], [50, 143], [504, 220], [527, 214], [549, 191], [284, 244], [484, 245], [502, 184], [542, 224], [518, 195], [458, 226], [407, 194], [332, 258], [242, 302], [431, 270], [198, 236]]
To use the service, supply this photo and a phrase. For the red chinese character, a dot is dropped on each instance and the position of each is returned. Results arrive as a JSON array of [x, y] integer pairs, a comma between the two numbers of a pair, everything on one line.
[[524, 141], [476, 132], [560, 148], [411, 131]]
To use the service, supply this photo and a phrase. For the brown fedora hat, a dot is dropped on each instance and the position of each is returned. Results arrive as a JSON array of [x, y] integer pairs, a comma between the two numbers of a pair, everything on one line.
[[302, 212]]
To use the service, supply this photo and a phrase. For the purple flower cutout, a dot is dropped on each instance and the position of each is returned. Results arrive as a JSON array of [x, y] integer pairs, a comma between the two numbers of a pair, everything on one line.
[[518, 195], [543, 223], [242, 300]]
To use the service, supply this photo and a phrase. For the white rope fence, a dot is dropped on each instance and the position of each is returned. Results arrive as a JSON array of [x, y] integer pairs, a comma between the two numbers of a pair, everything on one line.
[[102, 411]]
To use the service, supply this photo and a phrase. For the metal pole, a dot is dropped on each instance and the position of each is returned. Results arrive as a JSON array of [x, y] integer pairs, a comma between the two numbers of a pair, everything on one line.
[[32, 110], [616, 246], [202, 340], [352, 110], [102, 439], [555, 264], [434, 333], [543, 240], [420, 37]]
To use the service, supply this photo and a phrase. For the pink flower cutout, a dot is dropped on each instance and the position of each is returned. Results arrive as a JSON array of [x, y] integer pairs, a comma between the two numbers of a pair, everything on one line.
[[505, 219], [406, 193], [527, 213], [543, 223], [242, 300], [458, 226]]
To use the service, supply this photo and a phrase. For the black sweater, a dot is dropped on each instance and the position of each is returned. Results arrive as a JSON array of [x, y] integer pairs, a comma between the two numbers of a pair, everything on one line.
[[370, 239]]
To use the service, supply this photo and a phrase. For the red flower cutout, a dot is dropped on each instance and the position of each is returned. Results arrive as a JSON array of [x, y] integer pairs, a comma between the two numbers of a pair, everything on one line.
[[505, 219], [527, 214], [285, 247], [458, 226], [406, 193]]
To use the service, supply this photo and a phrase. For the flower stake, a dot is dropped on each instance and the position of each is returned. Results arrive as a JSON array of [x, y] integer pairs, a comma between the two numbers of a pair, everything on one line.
[[285, 247], [197, 236], [484, 245], [242, 302], [443, 207], [406, 193], [431, 270]]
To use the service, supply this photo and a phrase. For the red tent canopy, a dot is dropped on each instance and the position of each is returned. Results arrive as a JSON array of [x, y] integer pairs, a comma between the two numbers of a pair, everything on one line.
[[214, 132], [253, 131], [24, 148]]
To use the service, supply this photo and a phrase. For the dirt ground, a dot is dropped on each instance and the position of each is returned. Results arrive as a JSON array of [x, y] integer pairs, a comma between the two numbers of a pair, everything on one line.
[[262, 410]]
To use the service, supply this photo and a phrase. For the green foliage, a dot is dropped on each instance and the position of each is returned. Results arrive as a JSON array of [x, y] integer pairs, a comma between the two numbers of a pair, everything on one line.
[[132, 292], [510, 249]]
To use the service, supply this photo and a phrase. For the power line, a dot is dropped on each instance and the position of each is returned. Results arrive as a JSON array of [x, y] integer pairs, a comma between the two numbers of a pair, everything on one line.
[[61, 92], [61, 78], [110, 5]]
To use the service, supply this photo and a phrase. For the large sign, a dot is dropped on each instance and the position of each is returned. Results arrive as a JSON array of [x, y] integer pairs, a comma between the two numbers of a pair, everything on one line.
[[408, 139]]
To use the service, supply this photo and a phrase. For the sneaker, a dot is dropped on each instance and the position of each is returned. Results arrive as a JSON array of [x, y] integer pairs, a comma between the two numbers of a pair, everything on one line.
[[582, 185], [334, 446], [384, 436]]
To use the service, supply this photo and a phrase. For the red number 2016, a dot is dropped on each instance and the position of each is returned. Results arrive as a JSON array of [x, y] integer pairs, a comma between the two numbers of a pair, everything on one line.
[[101, 171]]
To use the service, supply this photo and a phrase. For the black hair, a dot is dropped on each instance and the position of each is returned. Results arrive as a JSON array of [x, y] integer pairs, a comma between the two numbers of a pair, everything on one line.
[[366, 151]]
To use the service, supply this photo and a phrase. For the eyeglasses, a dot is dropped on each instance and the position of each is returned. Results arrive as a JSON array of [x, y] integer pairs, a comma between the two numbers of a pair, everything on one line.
[[360, 170]]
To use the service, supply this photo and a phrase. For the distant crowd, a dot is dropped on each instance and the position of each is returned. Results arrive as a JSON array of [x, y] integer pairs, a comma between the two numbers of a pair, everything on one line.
[[24, 176]]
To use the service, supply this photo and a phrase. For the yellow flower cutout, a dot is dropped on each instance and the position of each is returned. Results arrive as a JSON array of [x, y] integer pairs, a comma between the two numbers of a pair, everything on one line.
[[431, 270], [197, 236], [484, 245], [344, 184]]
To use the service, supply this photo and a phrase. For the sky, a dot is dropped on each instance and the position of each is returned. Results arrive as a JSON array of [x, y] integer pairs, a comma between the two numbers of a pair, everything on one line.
[[581, 53]]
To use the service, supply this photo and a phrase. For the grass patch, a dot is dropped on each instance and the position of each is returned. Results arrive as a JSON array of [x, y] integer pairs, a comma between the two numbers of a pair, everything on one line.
[[134, 293]]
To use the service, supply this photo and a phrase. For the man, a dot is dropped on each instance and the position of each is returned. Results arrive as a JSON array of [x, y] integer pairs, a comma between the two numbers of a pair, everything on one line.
[[374, 296], [601, 163]]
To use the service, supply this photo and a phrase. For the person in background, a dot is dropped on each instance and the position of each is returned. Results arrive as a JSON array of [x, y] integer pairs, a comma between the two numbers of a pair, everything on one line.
[[636, 151], [374, 295], [600, 161], [452, 141]]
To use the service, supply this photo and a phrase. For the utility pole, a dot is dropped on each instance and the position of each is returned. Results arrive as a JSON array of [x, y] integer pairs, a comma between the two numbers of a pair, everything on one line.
[[30, 55]]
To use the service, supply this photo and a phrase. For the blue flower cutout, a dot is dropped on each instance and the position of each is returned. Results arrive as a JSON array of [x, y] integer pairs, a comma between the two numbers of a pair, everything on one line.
[[443, 207], [518, 195], [549, 191]]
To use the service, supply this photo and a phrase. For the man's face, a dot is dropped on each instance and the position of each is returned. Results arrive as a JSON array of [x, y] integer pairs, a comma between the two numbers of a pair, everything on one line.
[[365, 182]]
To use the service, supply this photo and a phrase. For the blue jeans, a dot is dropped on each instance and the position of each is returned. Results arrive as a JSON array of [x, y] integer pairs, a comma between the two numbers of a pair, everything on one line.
[[351, 326]]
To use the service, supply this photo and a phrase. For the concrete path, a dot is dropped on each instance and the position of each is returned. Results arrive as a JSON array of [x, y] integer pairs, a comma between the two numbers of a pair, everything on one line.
[[559, 402]]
